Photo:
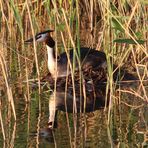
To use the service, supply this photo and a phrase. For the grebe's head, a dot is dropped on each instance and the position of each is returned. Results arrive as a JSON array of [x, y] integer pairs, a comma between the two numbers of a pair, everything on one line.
[[40, 37]]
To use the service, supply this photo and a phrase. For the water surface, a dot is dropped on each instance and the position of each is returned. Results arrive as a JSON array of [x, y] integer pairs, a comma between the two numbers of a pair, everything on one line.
[[127, 128]]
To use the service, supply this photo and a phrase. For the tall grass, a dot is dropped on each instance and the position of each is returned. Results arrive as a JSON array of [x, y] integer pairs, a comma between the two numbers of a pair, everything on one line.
[[115, 27]]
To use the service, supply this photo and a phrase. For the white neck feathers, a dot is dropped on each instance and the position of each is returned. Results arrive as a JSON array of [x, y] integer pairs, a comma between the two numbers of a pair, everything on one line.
[[51, 60]]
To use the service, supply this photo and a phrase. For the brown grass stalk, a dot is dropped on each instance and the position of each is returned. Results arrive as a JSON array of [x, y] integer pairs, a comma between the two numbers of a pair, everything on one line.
[[34, 46], [9, 91], [2, 125]]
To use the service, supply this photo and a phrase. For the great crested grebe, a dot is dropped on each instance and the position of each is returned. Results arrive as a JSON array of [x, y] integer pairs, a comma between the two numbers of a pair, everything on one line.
[[88, 57]]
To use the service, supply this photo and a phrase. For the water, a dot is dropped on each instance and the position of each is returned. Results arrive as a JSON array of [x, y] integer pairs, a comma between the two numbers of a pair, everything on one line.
[[89, 128]]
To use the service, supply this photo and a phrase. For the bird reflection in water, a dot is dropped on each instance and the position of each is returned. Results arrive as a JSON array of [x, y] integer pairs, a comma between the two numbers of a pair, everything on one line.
[[88, 98]]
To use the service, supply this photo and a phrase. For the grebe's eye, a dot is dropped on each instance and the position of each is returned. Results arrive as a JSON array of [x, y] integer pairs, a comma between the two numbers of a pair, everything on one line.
[[38, 36]]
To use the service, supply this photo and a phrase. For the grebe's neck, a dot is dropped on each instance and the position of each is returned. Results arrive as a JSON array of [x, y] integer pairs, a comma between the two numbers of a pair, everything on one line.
[[50, 43], [51, 59]]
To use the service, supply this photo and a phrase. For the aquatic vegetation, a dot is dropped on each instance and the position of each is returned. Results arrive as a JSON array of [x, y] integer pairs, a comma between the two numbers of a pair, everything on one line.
[[118, 28]]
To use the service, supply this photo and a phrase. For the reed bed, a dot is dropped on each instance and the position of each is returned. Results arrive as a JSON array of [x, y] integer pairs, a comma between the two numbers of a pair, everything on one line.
[[119, 28]]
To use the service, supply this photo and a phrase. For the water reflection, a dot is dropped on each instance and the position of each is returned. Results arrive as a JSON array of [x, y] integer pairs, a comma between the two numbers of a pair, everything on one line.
[[83, 129], [88, 101], [46, 134], [76, 99]]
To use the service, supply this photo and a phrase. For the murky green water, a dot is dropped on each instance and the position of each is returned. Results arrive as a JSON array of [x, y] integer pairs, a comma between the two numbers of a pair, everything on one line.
[[127, 128]]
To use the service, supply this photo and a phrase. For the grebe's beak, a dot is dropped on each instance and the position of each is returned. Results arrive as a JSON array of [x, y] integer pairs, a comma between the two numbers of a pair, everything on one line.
[[29, 40]]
